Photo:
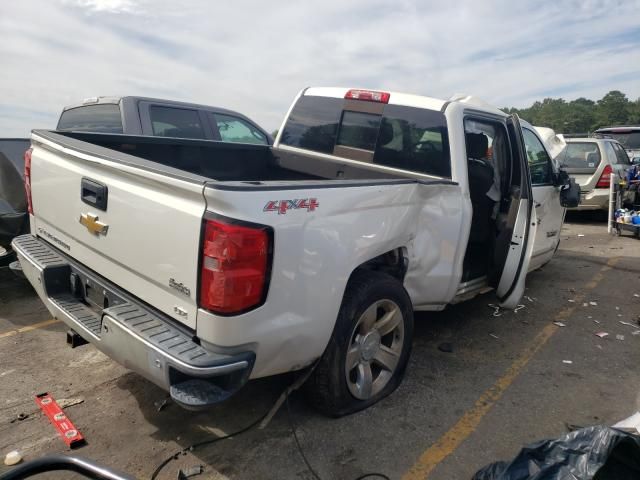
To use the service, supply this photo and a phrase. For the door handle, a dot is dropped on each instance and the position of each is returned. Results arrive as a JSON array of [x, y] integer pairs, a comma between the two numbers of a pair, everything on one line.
[[94, 193]]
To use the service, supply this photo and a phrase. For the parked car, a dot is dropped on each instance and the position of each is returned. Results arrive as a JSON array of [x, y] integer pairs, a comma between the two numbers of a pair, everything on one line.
[[13, 203], [593, 162], [628, 136], [161, 118], [120, 115], [203, 264]]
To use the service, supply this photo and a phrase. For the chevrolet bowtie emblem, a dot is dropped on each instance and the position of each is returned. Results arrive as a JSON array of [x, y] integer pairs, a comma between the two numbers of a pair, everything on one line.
[[93, 225]]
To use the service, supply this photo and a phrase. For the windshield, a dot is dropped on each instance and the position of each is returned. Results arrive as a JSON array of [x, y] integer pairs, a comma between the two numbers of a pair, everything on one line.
[[581, 155], [629, 140]]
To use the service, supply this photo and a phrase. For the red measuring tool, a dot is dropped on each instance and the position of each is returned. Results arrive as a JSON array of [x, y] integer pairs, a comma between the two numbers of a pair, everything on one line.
[[69, 433]]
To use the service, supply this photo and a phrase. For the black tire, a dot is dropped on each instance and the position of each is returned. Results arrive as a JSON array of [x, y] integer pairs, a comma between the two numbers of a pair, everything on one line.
[[327, 388]]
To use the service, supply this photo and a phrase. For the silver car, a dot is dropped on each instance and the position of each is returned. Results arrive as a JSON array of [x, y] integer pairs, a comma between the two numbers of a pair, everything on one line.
[[593, 162]]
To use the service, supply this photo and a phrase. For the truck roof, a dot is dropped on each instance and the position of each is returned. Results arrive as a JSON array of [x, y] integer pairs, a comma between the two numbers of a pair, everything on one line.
[[132, 98], [619, 129], [409, 100]]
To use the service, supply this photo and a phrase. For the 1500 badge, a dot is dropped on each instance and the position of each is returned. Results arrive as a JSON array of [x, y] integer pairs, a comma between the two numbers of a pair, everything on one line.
[[281, 206]]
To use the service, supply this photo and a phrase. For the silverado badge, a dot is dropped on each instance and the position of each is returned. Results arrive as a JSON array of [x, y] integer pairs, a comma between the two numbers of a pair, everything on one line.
[[93, 225]]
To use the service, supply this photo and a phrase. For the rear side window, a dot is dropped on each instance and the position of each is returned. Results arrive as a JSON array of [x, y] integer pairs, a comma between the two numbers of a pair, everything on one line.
[[581, 155], [405, 138], [610, 152], [234, 129], [103, 118], [175, 122], [621, 154]]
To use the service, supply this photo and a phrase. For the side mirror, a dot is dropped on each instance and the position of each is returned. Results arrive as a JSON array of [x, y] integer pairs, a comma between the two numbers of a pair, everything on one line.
[[570, 194], [561, 178], [635, 161]]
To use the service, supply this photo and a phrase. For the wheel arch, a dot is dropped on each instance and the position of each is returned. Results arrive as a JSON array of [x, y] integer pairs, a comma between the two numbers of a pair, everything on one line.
[[394, 263]]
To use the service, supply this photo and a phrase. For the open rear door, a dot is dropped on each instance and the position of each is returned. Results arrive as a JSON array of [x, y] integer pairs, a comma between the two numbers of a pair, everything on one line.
[[513, 253]]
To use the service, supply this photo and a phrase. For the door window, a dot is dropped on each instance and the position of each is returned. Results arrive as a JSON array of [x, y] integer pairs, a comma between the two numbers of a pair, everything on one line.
[[175, 122], [488, 160], [234, 129], [538, 159]]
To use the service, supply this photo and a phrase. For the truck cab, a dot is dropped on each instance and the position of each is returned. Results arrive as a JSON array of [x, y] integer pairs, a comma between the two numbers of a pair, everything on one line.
[[484, 152], [161, 118]]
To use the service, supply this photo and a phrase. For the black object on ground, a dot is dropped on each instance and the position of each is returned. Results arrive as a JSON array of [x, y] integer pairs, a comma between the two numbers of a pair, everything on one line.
[[51, 463], [445, 347], [599, 453]]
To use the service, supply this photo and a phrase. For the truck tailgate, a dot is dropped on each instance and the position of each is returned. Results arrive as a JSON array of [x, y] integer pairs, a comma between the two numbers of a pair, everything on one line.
[[151, 241]]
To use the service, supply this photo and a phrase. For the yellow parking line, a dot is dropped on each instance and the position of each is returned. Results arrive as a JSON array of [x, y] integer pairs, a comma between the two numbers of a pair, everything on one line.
[[35, 326], [468, 423]]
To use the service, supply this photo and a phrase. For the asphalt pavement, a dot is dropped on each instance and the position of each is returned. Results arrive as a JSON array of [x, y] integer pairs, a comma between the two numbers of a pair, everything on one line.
[[509, 380]]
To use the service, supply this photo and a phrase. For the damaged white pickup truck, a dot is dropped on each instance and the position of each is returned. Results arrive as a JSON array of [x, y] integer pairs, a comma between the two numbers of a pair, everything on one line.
[[202, 264]]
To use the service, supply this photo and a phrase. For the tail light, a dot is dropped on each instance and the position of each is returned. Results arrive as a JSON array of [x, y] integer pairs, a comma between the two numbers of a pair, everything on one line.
[[605, 178], [27, 179], [235, 265], [368, 96]]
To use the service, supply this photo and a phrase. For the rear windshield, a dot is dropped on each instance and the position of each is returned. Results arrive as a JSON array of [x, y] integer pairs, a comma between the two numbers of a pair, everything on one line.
[[103, 118], [584, 155], [406, 138], [629, 140]]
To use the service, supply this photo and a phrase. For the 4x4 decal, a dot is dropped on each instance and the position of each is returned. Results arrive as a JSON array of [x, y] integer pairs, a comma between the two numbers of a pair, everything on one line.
[[281, 206]]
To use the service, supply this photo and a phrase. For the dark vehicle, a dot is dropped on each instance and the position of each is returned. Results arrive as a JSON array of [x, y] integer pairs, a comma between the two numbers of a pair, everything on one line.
[[628, 136], [117, 115], [161, 118], [13, 203]]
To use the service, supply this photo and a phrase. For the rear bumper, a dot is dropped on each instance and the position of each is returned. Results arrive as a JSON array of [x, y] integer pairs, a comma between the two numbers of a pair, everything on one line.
[[596, 199], [129, 331]]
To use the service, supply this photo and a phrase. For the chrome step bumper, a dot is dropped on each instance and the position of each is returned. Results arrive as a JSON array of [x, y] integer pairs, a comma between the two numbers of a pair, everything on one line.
[[130, 332]]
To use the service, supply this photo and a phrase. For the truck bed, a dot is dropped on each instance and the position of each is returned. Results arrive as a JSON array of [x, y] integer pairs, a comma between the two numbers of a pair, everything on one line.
[[213, 160]]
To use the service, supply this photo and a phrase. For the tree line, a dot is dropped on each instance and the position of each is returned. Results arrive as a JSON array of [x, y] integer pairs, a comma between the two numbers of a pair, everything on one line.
[[582, 115]]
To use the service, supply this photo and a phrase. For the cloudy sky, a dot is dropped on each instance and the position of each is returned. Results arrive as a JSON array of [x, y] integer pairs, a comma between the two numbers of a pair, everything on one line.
[[253, 56]]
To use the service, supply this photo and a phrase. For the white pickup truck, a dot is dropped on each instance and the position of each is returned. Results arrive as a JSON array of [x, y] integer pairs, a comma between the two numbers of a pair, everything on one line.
[[201, 265]]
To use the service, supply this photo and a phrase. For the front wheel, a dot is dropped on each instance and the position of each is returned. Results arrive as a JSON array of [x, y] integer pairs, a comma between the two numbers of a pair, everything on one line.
[[368, 352]]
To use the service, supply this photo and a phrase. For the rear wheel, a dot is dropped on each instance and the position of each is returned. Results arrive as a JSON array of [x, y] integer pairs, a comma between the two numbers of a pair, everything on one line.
[[369, 349]]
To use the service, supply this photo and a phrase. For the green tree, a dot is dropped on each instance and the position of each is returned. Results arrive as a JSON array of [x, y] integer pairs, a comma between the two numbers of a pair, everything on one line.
[[634, 112], [581, 115], [612, 109]]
